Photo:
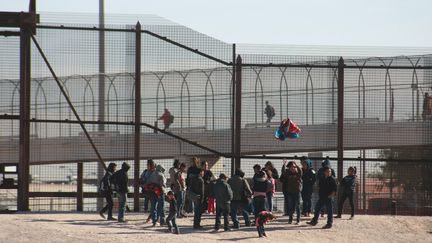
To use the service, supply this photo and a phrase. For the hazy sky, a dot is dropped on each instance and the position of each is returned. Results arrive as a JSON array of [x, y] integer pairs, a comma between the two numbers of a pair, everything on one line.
[[311, 22]]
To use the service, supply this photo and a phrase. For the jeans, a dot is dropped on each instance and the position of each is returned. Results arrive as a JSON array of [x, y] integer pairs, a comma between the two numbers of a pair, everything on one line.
[[197, 213], [270, 202], [235, 206], [171, 222], [146, 204], [328, 204], [260, 229], [180, 196], [307, 201], [344, 196], [160, 209], [219, 212], [294, 204], [259, 204], [153, 209], [122, 204], [285, 203], [109, 206]]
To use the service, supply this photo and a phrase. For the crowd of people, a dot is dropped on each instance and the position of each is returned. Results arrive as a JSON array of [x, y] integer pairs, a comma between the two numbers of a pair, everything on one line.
[[195, 189]]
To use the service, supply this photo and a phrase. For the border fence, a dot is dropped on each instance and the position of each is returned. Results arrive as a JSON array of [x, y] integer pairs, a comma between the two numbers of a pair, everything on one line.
[[65, 116]]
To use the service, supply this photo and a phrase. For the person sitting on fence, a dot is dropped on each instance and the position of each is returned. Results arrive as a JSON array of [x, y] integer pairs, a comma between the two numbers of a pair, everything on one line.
[[167, 119], [105, 189], [347, 185], [269, 111], [427, 107]]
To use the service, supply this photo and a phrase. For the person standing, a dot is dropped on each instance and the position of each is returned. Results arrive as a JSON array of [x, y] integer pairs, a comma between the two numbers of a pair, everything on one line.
[[196, 194], [427, 107], [209, 179], [224, 195], [309, 178], [171, 219], [105, 189], [180, 189], [269, 111], [271, 192], [260, 188], [161, 201], [121, 180], [327, 189], [293, 176], [241, 197], [167, 119], [172, 171], [154, 184], [347, 185]]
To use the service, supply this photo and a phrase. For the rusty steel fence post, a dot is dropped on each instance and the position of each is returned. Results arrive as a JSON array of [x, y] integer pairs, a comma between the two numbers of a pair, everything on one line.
[[137, 115], [233, 111], [340, 118], [80, 192], [238, 103], [24, 135]]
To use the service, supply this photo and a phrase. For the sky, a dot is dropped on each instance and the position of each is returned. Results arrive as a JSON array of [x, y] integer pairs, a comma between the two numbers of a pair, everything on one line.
[[293, 22]]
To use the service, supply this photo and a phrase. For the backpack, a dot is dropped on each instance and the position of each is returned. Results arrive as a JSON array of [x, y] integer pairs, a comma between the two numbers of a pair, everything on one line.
[[272, 111], [171, 119]]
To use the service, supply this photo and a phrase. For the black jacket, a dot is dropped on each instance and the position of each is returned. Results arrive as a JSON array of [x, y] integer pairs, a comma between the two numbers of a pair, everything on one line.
[[309, 179], [327, 187], [105, 186], [197, 187], [120, 179], [192, 172]]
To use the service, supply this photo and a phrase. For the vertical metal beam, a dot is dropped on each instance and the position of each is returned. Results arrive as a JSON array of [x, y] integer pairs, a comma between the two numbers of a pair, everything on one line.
[[340, 129], [233, 88], [80, 193], [137, 114], [101, 87], [238, 101], [24, 137]]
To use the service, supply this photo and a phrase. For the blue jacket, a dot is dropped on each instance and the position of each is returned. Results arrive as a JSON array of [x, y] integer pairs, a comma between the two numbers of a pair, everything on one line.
[[348, 183]]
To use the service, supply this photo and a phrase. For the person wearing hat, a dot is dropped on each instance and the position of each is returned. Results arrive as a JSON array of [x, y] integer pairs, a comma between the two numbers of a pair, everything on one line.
[[224, 195]]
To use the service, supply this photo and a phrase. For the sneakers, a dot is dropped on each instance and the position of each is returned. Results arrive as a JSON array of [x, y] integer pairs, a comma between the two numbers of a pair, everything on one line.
[[338, 217], [297, 222], [121, 220], [264, 234], [198, 227], [327, 226], [312, 222], [290, 221], [351, 218], [111, 219], [227, 229], [101, 214]]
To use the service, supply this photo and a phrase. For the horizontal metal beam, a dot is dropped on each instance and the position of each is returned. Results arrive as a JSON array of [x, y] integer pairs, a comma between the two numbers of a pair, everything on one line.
[[10, 33], [305, 65], [62, 27], [9, 117], [263, 157], [70, 194], [142, 124]]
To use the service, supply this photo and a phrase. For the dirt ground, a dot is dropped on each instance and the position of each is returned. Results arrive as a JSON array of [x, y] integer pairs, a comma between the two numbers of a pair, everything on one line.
[[86, 227]]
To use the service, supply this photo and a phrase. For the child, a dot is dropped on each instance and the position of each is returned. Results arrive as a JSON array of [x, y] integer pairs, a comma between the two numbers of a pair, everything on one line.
[[270, 194], [171, 219], [348, 184], [262, 218], [223, 193], [260, 188], [327, 189]]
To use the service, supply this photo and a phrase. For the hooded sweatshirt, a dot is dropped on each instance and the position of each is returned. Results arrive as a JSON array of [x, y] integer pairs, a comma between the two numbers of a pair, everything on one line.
[[320, 174], [309, 178], [121, 179]]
